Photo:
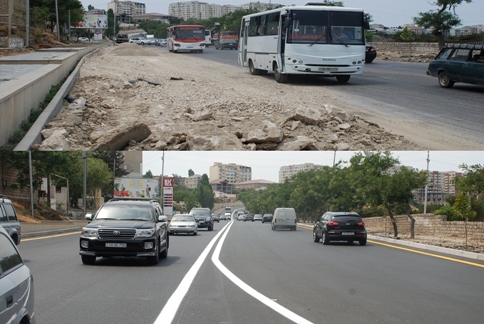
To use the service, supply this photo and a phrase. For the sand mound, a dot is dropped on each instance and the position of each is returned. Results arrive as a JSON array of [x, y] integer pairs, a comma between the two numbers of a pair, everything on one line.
[[130, 49]]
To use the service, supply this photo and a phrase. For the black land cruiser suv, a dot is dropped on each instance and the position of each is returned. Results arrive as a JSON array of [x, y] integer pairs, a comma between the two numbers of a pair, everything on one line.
[[203, 218], [8, 219], [126, 227], [339, 226]]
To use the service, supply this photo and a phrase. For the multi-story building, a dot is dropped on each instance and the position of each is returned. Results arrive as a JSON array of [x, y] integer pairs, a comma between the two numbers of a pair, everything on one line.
[[204, 10], [125, 10], [254, 184], [192, 181], [441, 185], [288, 171], [153, 16], [231, 172]]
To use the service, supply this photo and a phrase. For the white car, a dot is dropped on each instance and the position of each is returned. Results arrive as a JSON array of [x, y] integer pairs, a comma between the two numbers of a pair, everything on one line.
[[139, 40], [163, 42], [83, 39], [241, 217], [183, 224]]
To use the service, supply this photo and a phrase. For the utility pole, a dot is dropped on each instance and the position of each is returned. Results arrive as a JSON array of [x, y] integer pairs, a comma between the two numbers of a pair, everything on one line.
[[426, 185], [162, 177], [57, 20], [84, 157], [27, 24], [31, 186]]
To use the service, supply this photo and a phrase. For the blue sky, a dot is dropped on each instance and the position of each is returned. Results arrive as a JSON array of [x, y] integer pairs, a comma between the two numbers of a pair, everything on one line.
[[390, 13], [265, 165]]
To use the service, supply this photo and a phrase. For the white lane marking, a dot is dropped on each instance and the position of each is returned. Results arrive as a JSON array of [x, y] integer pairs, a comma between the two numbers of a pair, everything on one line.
[[251, 291], [171, 307]]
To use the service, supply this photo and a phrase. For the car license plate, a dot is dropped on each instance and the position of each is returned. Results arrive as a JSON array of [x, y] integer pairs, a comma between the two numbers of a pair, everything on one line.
[[189, 46], [116, 245], [327, 69], [348, 233]]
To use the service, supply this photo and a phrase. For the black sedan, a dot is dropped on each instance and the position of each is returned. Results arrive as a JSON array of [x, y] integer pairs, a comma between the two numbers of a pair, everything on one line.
[[370, 53], [226, 43]]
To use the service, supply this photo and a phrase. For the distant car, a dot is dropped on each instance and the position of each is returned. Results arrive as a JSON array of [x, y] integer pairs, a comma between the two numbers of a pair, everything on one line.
[[162, 42], [228, 216], [340, 226], [183, 224], [266, 218], [9, 220], [215, 218], [241, 217], [249, 217], [458, 63], [83, 39], [16, 284], [203, 218], [139, 40], [226, 44], [258, 217], [151, 41], [370, 53], [128, 227]]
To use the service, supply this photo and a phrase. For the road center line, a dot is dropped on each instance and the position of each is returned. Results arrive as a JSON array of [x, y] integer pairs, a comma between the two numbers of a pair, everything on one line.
[[251, 291], [171, 307]]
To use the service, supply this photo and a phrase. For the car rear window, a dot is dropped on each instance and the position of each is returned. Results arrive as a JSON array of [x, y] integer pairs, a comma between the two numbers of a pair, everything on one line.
[[347, 217]]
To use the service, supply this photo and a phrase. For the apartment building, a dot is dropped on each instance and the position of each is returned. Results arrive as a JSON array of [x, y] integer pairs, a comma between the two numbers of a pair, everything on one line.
[[204, 10], [441, 185], [254, 184], [288, 171], [231, 172], [125, 10], [192, 181]]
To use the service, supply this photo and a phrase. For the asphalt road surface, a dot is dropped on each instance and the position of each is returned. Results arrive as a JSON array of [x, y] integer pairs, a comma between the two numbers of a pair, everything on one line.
[[242, 272]]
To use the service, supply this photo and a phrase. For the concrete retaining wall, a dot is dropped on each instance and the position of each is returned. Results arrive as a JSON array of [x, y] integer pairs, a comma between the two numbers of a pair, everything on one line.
[[407, 48]]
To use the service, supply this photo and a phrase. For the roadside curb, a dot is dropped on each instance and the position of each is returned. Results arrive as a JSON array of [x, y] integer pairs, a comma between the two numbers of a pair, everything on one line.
[[51, 232], [433, 248]]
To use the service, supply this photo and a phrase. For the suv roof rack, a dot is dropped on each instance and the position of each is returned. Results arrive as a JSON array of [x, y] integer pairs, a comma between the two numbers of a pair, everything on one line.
[[133, 199], [465, 46]]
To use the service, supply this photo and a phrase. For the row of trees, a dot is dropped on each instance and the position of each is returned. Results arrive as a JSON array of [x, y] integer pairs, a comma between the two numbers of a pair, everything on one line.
[[201, 196], [102, 167], [371, 185]]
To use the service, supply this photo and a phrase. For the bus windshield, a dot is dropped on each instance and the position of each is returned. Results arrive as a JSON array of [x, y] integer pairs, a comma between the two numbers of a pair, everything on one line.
[[197, 34], [326, 27]]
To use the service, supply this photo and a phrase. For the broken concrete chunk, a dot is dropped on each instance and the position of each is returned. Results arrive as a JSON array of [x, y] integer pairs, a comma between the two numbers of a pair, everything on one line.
[[119, 137]]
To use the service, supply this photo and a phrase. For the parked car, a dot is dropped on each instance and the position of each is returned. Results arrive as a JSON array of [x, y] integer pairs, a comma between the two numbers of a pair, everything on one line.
[[267, 218], [340, 226], [370, 53], [458, 63], [258, 217], [249, 217], [284, 218], [16, 284], [139, 40], [82, 39], [183, 224], [226, 44], [203, 218], [125, 227], [9, 220]]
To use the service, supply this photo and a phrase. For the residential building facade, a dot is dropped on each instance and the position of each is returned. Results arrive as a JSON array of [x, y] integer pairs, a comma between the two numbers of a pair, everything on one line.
[[231, 172], [204, 10], [288, 171], [125, 10], [253, 184], [441, 185], [192, 181]]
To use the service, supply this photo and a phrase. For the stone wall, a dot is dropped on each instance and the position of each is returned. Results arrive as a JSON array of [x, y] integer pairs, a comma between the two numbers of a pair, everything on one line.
[[19, 11], [406, 48], [427, 225]]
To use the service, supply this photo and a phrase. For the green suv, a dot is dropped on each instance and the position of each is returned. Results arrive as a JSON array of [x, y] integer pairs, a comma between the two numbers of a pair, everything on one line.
[[458, 63], [9, 220]]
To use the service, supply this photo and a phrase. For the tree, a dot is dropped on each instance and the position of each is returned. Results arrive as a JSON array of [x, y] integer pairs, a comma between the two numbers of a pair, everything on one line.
[[148, 175], [473, 181], [462, 207], [47, 12], [190, 172], [204, 193], [406, 35], [442, 19]]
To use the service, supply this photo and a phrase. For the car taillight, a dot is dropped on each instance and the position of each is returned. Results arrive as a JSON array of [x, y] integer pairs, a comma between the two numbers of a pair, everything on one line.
[[361, 223], [333, 223]]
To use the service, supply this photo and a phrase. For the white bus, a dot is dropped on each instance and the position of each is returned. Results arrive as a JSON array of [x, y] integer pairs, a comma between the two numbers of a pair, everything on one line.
[[186, 38], [304, 40]]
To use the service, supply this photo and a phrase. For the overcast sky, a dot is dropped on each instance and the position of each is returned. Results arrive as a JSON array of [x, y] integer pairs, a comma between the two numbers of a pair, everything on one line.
[[390, 13], [266, 165]]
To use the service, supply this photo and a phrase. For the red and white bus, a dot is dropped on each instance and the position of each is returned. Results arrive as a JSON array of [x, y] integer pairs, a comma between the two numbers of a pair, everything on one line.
[[186, 38]]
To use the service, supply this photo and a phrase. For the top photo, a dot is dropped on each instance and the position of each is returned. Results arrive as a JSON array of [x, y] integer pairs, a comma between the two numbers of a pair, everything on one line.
[[242, 76]]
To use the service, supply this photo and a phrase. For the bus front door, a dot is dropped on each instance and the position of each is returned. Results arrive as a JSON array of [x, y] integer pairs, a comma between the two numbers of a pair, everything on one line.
[[243, 45]]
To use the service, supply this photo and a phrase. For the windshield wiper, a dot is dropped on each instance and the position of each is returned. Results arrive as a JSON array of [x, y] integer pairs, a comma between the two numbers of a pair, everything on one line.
[[317, 40], [342, 42]]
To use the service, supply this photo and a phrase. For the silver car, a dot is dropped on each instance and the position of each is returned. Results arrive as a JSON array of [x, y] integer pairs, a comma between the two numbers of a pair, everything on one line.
[[183, 224], [16, 284], [9, 220]]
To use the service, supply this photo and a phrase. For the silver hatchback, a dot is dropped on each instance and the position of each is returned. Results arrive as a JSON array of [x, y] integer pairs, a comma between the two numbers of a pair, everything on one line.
[[16, 284]]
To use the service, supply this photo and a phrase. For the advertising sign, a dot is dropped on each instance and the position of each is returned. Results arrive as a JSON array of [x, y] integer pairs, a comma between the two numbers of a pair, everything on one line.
[[140, 188], [94, 21], [168, 184]]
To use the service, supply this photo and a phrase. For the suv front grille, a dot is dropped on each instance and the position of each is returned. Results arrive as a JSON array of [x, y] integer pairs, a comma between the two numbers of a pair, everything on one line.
[[112, 233]]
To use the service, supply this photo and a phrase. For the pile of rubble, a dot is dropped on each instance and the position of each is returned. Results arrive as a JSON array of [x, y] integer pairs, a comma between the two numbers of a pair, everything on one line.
[[138, 98]]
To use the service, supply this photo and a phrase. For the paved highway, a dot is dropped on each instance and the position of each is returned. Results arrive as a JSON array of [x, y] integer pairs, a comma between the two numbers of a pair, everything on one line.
[[247, 273]]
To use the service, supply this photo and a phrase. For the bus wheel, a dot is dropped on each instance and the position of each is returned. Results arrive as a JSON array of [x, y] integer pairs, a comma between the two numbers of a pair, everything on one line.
[[343, 78], [280, 78], [252, 69]]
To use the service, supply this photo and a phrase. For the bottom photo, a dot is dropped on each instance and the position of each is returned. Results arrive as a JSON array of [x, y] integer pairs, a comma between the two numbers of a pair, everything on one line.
[[241, 237]]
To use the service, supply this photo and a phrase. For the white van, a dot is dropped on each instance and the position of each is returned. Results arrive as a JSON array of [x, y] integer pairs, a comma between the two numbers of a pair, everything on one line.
[[284, 218]]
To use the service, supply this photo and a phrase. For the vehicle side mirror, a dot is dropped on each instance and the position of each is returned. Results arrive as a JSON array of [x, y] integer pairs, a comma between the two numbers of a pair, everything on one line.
[[163, 218], [88, 217], [287, 23], [366, 25]]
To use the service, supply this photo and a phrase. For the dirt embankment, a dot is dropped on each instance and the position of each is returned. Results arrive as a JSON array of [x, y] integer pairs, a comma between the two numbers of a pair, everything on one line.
[[41, 212]]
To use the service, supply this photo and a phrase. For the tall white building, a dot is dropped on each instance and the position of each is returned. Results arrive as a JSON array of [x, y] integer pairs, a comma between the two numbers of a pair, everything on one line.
[[125, 10], [288, 171], [204, 10]]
